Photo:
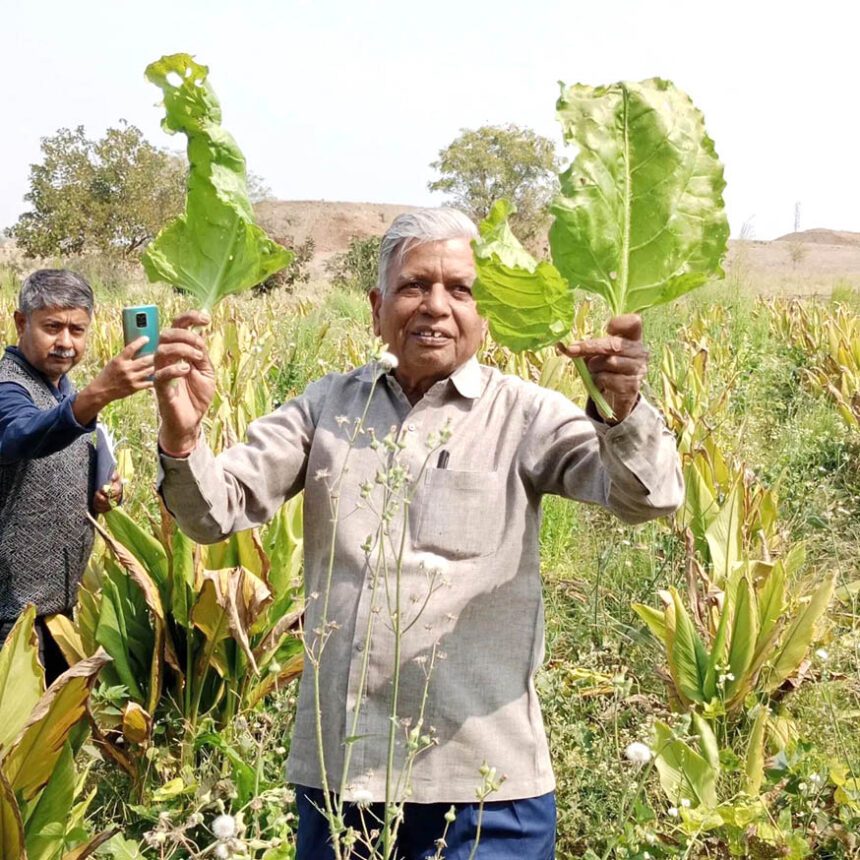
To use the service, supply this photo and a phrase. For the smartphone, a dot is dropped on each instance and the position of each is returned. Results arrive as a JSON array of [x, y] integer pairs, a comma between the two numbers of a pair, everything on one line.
[[138, 321]]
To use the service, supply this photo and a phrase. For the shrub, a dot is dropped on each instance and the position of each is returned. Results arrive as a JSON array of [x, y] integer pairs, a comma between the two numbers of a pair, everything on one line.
[[358, 267]]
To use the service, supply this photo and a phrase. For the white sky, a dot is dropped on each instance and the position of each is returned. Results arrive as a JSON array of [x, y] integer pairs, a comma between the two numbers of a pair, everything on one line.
[[351, 100]]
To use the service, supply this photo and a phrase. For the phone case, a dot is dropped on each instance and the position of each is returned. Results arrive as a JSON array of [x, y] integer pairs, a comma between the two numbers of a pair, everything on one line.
[[141, 320]]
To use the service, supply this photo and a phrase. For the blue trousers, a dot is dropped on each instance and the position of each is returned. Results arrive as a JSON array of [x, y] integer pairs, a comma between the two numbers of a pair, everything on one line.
[[510, 829]]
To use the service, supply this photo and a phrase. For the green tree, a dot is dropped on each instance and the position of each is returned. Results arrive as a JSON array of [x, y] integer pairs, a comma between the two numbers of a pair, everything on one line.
[[491, 162], [110, 195]]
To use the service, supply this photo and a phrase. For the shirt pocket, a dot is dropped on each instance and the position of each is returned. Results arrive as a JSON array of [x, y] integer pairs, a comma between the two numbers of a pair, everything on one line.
[[460, 514]]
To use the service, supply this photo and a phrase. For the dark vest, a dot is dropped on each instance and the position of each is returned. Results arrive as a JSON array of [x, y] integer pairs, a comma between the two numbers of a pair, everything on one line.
[[45, 536]]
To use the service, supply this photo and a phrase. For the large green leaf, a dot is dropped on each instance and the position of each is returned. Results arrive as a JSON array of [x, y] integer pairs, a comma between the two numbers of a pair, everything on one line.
[[754, 762], [708, 745], [214, 248], [32, 758], [22, 678], [654, 618], [45, 829], [744, 636], [687, 658], [771, 601], [725, 534], [640, 218], [142, 544], [528, 304], [112, 635], [182, 577], [11, 826]]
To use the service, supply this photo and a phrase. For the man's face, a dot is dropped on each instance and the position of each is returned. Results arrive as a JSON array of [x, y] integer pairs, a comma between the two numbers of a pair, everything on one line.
[[53, 340], [428, 315]]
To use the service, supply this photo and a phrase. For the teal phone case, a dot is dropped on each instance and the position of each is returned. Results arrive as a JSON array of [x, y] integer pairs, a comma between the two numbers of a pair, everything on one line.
[[141, 320]]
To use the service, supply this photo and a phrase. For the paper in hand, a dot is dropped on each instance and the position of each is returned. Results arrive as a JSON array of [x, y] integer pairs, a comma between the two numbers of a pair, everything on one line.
[[105, 459]]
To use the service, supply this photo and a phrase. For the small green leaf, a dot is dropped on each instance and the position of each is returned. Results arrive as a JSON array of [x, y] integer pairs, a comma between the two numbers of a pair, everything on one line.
[[654, 618], [528, 304], [684, 774], [754, 766], [799, 635]]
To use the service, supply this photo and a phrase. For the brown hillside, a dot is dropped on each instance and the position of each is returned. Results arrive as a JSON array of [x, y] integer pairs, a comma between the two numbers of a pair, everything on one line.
[[331, 225], [822, 236]]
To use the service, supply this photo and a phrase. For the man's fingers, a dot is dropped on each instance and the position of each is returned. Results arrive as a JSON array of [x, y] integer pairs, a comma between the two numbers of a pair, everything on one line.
[[131, 348], [181, 335], [623, 364], [189, 319], [144, 363], [609, 345], [172, 371], [180, 351], [627, 326]]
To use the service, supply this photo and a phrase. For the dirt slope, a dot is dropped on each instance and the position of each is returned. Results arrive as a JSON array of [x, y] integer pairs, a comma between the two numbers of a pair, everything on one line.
[[331, 225]]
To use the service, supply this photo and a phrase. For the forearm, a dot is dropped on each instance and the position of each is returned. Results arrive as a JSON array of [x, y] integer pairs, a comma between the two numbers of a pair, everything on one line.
[[212, 497], [90, 401], [631, 468], [643, 469], [31, 433]]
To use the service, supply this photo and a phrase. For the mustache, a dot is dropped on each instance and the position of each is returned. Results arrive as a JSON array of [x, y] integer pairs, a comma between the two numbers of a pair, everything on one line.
[[62, 353]]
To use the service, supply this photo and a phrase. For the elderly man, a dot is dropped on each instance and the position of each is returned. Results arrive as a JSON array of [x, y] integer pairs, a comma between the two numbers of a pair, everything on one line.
[[47, 459], [475, 513]]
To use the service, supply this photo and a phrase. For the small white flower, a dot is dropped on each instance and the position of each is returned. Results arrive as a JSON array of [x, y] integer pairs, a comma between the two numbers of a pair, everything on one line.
[[322, 474], [224, 827], [815, 778], [685, 803], [638, 753], [362, 797], [388, 361], [822, 655], [802, 786], [222, 852], [673, 811], [432, 563]]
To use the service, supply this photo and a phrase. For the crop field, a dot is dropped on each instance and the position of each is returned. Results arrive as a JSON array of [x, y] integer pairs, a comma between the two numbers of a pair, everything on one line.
[[701, 687]]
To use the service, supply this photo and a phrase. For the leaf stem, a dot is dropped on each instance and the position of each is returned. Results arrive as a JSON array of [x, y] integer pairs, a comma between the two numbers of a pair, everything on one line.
[[593, 392]]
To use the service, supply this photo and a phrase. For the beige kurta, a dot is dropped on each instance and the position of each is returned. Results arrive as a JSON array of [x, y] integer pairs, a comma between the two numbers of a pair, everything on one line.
[[478, 519]]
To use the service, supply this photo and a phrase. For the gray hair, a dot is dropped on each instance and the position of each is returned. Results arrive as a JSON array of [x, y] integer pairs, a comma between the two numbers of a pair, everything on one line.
[[419, 228], [55, 288]]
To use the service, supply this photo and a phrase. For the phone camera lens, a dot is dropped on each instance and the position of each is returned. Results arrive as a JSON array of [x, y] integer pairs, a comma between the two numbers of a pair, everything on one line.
[[140, 320]]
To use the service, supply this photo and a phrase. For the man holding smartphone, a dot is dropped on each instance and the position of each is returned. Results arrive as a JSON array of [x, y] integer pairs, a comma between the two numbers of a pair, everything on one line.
[[47, 459]]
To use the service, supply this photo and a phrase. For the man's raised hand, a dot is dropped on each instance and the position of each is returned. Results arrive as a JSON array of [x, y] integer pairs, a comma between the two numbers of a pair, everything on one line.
[[617, 362], [184, 383]]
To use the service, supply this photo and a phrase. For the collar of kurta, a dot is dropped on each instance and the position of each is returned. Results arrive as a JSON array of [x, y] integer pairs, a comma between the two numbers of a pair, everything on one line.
[[466, 379]]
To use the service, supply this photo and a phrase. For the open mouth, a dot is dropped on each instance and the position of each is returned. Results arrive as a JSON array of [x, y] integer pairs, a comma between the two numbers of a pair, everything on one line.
[[430, 337]]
